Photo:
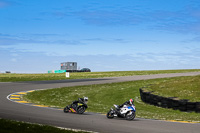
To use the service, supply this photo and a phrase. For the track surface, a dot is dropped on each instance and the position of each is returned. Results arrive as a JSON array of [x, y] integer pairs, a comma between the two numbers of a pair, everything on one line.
[[88, 121]]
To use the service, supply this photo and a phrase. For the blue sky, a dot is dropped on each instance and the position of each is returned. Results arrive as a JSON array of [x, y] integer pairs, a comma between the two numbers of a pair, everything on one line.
[[103, 35]]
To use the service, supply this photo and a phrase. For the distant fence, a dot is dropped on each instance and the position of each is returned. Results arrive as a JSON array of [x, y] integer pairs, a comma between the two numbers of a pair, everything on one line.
[[169, 102], [63, 71]]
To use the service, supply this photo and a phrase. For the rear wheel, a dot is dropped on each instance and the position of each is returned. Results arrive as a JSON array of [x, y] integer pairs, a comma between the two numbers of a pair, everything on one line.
[[81, 110], [110, 114], [130, 115], [66, 109]]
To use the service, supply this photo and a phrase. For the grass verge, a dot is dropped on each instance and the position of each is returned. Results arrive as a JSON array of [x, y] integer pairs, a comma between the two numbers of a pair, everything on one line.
[[12, 77], [102, 97], [183, 88], [10, 126]]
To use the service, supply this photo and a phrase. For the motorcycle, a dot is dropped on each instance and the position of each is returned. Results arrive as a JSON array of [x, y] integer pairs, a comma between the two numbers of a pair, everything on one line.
[[78, 108], [127, 112]]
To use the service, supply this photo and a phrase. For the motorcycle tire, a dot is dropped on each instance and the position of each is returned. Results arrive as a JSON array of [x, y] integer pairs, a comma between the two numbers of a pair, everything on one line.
[[110, 115], [81, 110], [130, 116], [66, 109]]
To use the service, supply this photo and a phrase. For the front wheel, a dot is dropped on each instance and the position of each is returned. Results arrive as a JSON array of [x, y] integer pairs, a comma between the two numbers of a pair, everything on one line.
[[130, 115], [81, 110], [110, 114], [66, 109]]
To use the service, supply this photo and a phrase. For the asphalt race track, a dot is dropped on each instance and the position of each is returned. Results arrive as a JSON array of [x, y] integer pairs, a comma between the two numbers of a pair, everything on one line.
[[87, 121]]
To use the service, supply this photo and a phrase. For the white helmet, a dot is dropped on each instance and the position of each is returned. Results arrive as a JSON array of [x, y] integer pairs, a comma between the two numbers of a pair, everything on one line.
[[85, 99]]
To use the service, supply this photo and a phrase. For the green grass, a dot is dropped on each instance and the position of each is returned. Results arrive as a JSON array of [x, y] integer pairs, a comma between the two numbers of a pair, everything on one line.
[[10, 126], [183, 88], [13, 77], [102, 97]]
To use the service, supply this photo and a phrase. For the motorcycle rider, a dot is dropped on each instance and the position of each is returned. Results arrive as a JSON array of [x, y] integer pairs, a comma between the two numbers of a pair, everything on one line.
[[129, 103], [123, 111], [83, 100]]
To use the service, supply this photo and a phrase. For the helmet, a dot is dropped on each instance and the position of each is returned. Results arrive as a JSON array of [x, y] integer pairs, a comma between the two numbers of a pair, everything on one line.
[[131, 101], [85, 99]]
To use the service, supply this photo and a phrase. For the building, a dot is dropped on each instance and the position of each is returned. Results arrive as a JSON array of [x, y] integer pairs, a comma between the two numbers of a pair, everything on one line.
[[69, 66]]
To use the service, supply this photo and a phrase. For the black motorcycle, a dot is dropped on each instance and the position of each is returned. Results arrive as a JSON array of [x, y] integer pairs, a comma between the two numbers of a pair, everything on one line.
[[78, 108]]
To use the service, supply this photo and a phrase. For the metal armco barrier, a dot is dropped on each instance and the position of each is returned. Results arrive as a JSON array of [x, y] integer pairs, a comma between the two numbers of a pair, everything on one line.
[[169, 102]]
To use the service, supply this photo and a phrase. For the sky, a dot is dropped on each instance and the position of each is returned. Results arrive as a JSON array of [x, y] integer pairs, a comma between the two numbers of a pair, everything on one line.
[[103, 35]]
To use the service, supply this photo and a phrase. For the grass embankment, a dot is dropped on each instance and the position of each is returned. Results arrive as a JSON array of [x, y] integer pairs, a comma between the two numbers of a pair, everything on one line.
[[102, 97], [9, 126], [12, 77], [184, 88]]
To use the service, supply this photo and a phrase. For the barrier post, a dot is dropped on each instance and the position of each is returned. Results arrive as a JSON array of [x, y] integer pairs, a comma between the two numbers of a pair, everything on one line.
[[67, 74]]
